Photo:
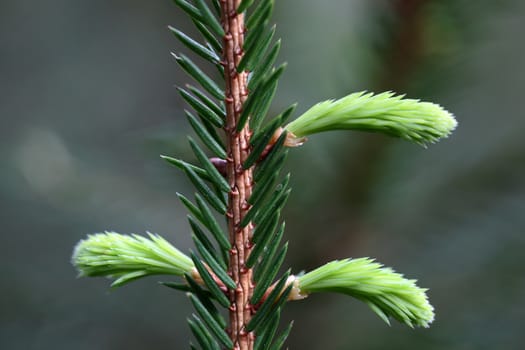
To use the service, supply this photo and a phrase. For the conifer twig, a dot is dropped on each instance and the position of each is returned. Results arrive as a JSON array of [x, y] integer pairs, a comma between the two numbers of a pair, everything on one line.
[[239, 179], [238, 268]]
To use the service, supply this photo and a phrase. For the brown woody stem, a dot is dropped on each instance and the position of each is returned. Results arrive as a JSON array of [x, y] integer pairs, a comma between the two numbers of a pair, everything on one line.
[[239, 179]]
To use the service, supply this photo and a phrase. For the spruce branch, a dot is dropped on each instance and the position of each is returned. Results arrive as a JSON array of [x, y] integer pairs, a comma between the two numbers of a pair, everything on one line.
[[386, 292], [129, 257], [409, 119], [237, 268]]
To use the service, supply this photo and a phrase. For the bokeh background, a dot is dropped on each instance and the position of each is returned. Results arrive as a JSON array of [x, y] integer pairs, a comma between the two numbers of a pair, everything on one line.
[[87, 104]]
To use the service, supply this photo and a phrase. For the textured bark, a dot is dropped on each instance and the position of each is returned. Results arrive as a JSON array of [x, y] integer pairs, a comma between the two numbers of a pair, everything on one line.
[[240, 180]]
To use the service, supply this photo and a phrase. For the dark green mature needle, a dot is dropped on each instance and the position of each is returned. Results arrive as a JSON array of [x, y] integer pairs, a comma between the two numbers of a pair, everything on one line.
[[265, 228], [260, 14], [256, 50], [208, 319], [262, 107], [212, 40], [282, 338], [213, 173], [207, 101], [201, 108], [261, 192], [275, 306], [183, 165], [267, 333], [199, 334], [217, 6], [244, 5], [206, 299], [213, 264], [269, 304], [208, 18], [269, 273], [255, 46], [199, 232], [206, 137], [287, 113], [260, 207], [254, 97], [196, 73], [264, 66], [195, 46], [269, 165], [275, 206], [191, 10], [269, 253], [261, 143], [202, 335], [264, 237], [205, 191], [210, 283], [192, 208], [211, 223], [260, 212], [176, 285]]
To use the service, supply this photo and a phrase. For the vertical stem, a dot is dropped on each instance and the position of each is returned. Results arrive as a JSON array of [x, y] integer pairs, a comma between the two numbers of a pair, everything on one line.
[[240, 180]]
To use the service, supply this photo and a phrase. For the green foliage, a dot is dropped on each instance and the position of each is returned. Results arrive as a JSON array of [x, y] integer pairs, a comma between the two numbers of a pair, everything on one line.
[[196, 73], [260, 98], [208, 278], [202, 109], [412, 120], [210, 283], [387, 293], [128, 257], [196, 47], [244, 5], [273, 302], [213, 325]]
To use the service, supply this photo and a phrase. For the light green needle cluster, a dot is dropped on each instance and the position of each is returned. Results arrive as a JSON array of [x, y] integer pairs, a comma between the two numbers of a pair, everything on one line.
[[128, 257], [386, 292], [409, 119]]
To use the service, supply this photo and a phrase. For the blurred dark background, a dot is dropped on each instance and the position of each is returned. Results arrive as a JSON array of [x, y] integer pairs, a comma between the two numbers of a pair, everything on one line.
[[87, 104]]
